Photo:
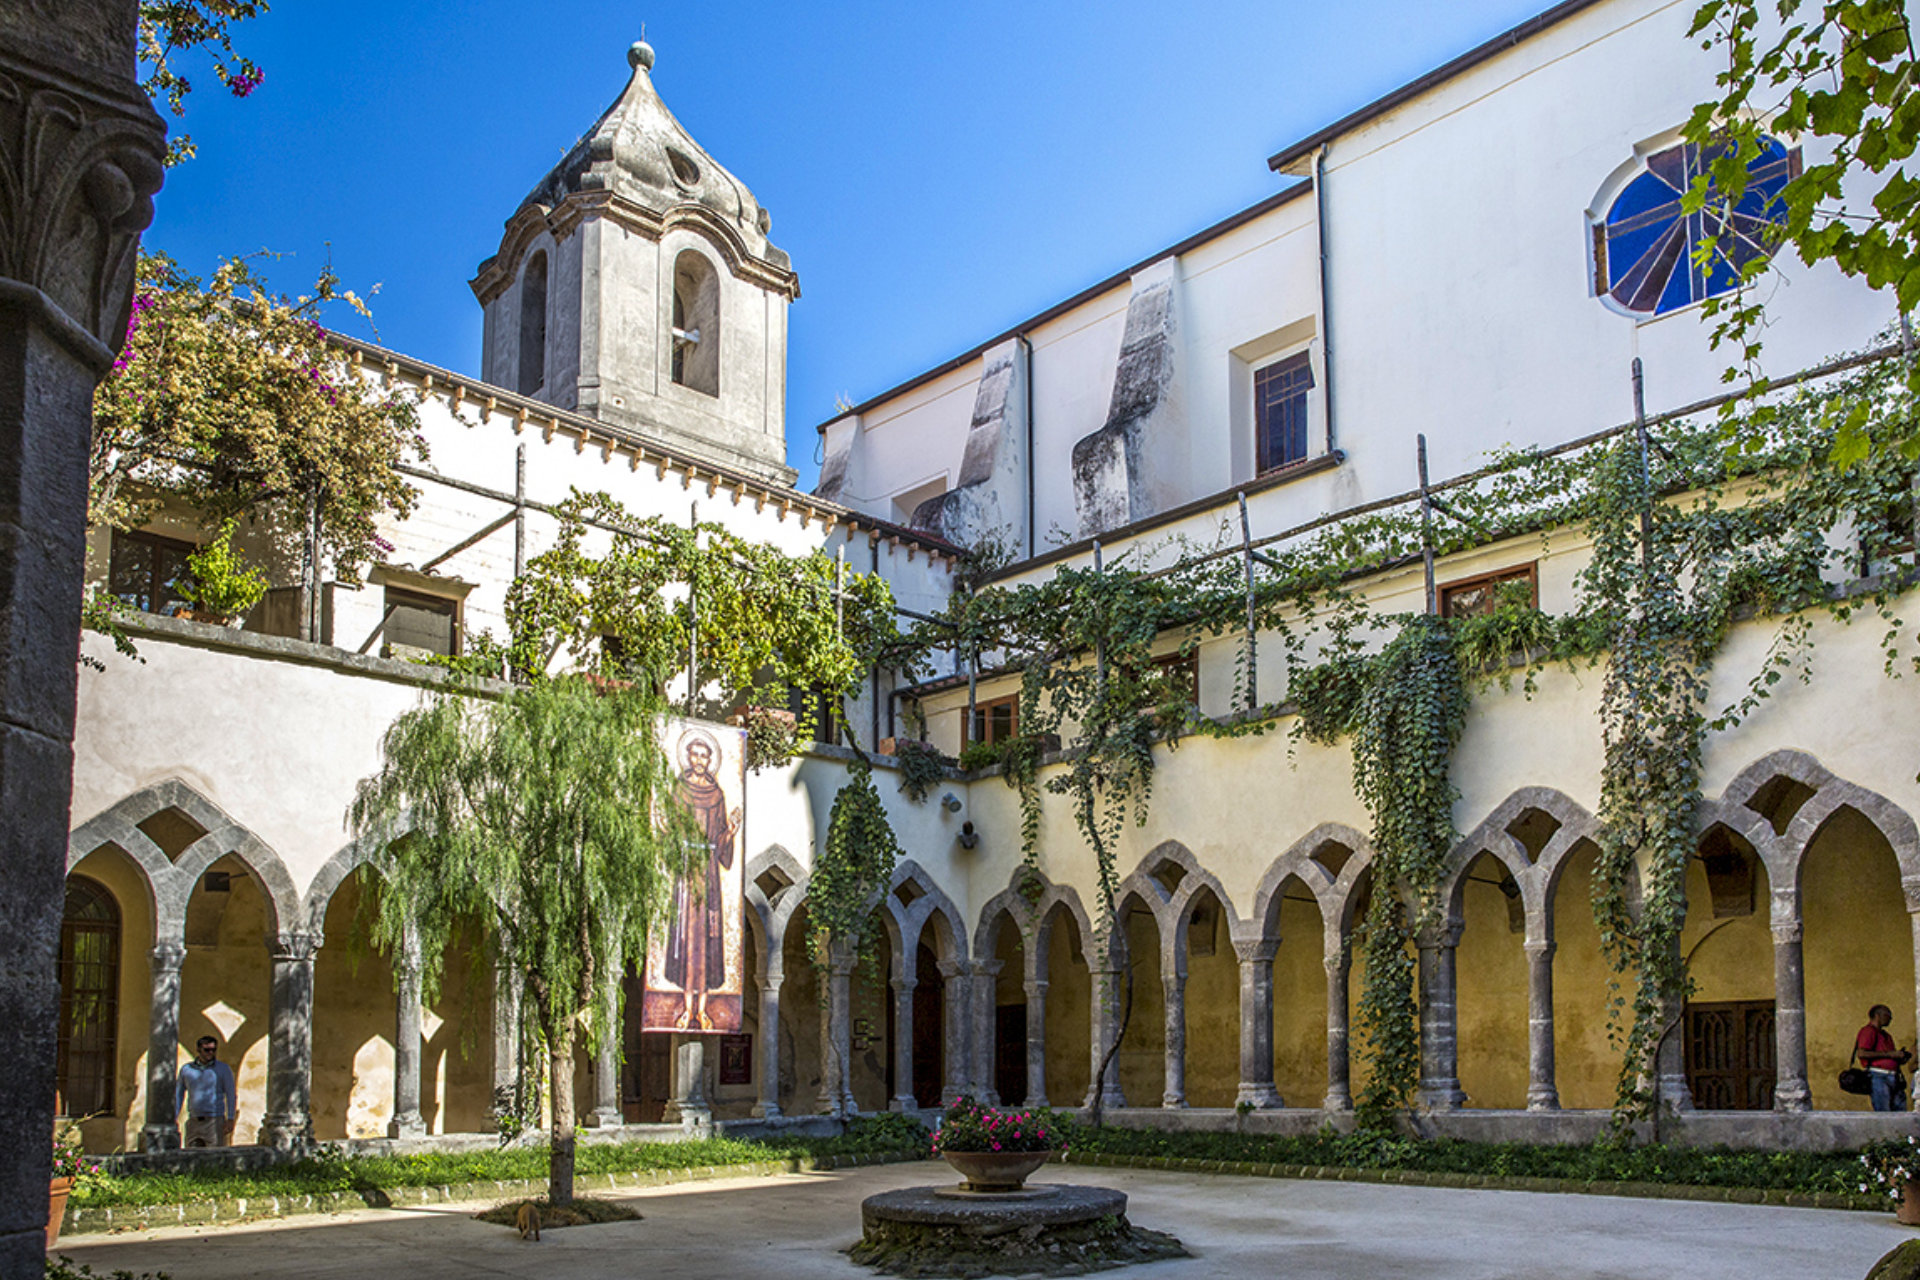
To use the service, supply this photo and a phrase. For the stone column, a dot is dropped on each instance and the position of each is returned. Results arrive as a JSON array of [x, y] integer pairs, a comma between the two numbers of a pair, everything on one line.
[[985, 1040], [836, 1037], [1670, 1057], [1439, 1046], [606, 1113], [1339, 1089], [773, 976], [407, 1122], [81, 146], [1107, 995], [689, 1106], [162, 1129], [506, 1046], [954, 1018], [1173, 987], [1256, 1024], [1037, 1044], [1542, 1093], [289, 1119], [903, 1099], [1790, 1089]]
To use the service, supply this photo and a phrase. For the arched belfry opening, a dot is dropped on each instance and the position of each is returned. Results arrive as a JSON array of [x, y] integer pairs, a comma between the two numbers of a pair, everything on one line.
[[696, 323], [533, 326]]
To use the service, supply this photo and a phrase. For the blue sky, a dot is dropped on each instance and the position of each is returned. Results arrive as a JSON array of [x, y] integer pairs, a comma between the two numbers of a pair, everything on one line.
[[938, 173]]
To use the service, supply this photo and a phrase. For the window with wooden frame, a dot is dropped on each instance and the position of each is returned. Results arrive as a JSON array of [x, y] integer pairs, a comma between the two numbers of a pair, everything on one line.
[[148, 572], [1182, 673], [417, 620], [995, 720], [89, 998], [1471, 597], [1280, 412]]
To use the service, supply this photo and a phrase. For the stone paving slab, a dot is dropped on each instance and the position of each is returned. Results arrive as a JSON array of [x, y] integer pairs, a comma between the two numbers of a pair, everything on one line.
[[796, 1226]]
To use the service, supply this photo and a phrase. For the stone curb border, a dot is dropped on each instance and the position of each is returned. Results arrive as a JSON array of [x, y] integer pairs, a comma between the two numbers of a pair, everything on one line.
[[81, 1221], [1493, 1182]]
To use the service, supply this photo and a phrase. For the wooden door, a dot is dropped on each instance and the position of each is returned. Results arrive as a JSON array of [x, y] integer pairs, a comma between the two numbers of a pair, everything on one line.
[[1010, 1054], [1730, 1055], [929, 1013]]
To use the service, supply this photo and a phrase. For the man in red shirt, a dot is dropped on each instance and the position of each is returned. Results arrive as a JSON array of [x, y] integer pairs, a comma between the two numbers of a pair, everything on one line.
[[1874, 1049]]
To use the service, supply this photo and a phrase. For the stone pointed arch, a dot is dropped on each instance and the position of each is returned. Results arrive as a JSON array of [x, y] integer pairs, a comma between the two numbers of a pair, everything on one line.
[[1010, 905], [1774, 853], [172, 882], [1798, 766], [1053, 900], [1173, 945], [949, 931], [1300, 863], [1894, 823], [775, 913], [333, 873]]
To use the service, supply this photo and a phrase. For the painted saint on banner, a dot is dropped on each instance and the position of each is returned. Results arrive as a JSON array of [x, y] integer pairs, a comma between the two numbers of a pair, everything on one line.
[[695, 964]]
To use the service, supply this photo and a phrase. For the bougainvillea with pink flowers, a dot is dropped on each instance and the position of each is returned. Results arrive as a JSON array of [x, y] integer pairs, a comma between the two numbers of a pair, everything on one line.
[[969, 1126]]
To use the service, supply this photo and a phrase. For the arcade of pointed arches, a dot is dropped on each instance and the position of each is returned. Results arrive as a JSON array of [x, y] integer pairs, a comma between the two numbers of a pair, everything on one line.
[[1794, 862]]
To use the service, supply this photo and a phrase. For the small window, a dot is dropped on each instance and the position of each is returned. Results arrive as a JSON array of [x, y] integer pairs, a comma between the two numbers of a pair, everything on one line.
[[819, 705], [420, 621], [1648, 251], [995, 721], [89, 998], [1471, 597], [696, 323], [149, 573], [1280, 411], [533, 325], [1182, 672]]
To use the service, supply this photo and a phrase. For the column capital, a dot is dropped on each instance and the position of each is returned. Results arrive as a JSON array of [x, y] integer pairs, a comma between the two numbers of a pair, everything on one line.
[[168, 956], [1036, 989], [1444, 934], [952, 968], [1539, 948], [903, 987], [297, 946], [1258, 951], [989, 968], [1786, 932]]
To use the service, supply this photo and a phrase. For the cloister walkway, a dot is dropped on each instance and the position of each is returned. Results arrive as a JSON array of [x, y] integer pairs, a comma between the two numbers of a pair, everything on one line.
[[1236, 1227]]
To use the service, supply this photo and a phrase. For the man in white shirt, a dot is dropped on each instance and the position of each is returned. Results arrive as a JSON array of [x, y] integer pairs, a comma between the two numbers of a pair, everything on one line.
[[204, 1098]]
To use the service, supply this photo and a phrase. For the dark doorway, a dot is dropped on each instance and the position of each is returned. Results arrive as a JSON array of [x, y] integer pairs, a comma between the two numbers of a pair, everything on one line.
[[1730, 1059], [1010, 1054], [646, 1071], [929, 1009]]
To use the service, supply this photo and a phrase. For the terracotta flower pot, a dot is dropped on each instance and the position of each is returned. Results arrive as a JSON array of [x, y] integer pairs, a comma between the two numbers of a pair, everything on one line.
[[57, 1207], [996, 1170], [1908, 1211]]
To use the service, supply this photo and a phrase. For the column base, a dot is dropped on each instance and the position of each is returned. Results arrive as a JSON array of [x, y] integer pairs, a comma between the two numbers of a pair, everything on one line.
[[1173, 1101], [407, 1126], [1036, 1100], [286, 1132], [1110, 1099], [687, 1117], [603, 1118], [1261, 1097], [766, 1111], [1543, 1097], [1794, 1097], [903, 1103], [1338, 1101], [159, 1137], [1442, 1095]]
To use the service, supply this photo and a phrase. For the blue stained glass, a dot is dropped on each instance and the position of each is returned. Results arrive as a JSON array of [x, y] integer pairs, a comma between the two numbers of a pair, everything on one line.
[[1650, 242]]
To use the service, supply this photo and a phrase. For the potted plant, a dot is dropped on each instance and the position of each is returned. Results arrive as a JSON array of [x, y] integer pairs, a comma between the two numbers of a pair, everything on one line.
[[1894, 1167], [70, 1162], [224, 587], [995, 1150]]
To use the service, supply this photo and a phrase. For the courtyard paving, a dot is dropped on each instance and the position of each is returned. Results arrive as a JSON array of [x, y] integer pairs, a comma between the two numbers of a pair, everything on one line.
[[798, 1226]]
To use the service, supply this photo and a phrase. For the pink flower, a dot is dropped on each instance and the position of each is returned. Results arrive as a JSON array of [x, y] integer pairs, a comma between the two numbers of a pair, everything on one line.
[[246, 82]]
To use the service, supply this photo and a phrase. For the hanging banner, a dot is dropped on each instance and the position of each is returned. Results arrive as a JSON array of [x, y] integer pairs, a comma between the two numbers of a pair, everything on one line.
[[696, 963]]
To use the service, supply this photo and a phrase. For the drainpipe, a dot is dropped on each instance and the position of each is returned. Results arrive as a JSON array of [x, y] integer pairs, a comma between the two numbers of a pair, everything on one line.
[[1326, 319], [1027, 345]]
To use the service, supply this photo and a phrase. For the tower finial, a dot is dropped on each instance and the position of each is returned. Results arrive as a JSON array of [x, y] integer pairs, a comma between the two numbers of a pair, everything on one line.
[[640, 54]]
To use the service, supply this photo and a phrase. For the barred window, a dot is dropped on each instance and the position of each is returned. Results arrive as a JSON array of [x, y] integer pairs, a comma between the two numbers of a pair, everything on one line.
[[1280, 411], [89, 998]]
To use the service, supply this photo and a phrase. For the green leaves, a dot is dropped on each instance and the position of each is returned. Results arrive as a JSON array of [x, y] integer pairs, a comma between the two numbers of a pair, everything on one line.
[[852, 869]]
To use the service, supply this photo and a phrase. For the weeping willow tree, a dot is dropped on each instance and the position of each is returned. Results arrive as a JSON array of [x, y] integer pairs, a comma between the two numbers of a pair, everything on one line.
[[550, 815]]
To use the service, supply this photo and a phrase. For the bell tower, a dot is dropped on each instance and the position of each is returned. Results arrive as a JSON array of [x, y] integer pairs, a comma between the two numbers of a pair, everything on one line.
[[636, 284]]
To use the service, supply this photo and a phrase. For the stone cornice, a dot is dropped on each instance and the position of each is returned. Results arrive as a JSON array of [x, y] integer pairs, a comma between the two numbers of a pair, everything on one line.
[[524, 227]]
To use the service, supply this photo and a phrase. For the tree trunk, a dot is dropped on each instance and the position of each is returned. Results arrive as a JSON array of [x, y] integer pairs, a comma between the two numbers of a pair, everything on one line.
[[560, 1155]]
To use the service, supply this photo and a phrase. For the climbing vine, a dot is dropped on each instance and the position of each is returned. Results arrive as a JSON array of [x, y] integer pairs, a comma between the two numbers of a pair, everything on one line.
[[648, 600], [1685, 538]]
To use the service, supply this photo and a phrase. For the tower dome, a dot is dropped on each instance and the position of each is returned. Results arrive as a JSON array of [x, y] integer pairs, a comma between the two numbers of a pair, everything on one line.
[[621, 273]]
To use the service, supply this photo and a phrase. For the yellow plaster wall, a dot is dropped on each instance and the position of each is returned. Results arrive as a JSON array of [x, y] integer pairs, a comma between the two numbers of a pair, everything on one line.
[[1729, 958], [1142, 1057], [1856, 949], [354, 1009], [1213, 1020], [872, 995], [1300, 1001], [1490, 970], [1069, 1016], [229, 985], [115, 872], [1586, 1066], [799, 1023]]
